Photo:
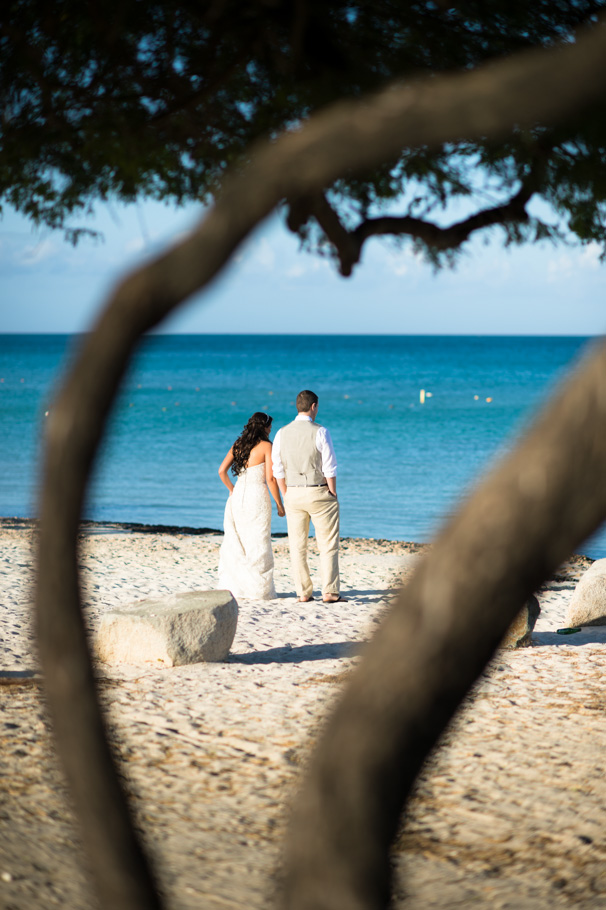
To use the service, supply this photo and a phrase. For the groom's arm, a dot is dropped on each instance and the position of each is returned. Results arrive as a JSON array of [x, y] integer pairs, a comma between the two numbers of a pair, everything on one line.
[[329, 459], [277, 466]]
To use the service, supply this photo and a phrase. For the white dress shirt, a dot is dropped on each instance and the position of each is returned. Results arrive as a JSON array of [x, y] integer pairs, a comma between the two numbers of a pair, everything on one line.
[[323, 445]]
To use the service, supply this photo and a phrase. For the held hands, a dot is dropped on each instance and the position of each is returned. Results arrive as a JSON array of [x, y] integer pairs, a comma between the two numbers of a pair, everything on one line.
[[281, 512]]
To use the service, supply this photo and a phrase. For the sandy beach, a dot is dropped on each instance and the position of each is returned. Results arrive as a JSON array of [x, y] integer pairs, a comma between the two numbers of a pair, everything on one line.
[[508, 812]]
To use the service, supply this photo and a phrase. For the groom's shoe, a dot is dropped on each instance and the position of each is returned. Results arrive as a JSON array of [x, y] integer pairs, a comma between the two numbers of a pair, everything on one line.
[[334, 599]]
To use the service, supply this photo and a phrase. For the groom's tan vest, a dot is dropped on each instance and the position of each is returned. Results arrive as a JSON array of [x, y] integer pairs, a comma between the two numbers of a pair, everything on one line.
[[301, 460]]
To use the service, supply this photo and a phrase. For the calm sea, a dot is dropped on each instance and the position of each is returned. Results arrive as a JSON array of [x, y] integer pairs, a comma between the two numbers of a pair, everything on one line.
[[403, 465]]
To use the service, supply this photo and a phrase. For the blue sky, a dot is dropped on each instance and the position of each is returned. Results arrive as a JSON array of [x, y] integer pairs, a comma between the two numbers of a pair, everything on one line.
[[46, 285]]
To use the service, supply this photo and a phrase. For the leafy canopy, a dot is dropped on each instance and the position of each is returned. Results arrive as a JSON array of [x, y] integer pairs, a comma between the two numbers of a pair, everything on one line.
[[140, 98]]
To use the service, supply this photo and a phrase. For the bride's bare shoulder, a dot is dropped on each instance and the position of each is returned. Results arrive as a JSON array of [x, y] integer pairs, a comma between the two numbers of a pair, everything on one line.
[[258, 453]]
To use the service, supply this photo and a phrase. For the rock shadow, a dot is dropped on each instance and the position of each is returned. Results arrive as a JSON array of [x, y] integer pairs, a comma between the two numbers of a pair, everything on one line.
[[300, 654], [589, 635]]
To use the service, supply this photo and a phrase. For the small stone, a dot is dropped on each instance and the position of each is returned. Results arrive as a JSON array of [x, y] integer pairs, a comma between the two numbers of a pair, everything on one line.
[[170, 631], [587, 605], [6, 877], [519, 634]]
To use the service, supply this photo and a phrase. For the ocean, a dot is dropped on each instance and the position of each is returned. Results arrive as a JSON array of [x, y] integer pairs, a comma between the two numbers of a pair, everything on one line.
[[403, 464]]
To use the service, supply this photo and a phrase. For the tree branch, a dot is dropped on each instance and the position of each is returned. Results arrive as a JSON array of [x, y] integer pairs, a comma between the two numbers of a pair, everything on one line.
[[189, 101], [348, 244], [450, 237], [350, 136], [523, 520]]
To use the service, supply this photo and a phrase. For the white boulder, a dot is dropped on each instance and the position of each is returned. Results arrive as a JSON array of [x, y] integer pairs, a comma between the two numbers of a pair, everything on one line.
[[170, 631], [587, 605]]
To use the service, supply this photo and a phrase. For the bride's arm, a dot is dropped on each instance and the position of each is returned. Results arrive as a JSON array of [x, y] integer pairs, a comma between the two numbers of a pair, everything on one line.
[[272, 483], [225, 466]]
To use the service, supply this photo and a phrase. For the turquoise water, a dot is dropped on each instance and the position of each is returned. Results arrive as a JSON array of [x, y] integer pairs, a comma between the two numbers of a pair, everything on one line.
[[403, 465]]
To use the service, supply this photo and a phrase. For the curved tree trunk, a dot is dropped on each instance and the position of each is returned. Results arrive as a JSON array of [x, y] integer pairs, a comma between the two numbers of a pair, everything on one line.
[[519, 525]]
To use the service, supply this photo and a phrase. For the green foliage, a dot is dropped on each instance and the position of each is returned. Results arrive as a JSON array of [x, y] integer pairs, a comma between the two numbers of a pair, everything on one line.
[[150, 98]]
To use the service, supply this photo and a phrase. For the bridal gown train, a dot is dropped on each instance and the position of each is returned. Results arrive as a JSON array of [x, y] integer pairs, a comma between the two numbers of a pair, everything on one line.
[[246, 560]]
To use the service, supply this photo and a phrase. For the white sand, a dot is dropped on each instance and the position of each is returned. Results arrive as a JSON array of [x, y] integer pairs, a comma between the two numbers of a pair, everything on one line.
[[508, 813]]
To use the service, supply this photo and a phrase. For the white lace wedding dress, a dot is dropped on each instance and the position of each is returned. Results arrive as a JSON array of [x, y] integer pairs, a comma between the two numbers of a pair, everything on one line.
[[246, 560]]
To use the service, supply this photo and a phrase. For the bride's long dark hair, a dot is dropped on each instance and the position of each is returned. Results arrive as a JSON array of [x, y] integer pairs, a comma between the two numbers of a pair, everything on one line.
[[256, 430]]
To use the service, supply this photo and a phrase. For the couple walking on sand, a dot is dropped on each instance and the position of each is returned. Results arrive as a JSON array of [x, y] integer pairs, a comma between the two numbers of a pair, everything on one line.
[[300, 466]]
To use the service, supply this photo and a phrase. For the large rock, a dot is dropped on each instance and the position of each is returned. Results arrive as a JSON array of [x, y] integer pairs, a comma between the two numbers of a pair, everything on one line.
[[519, 634], [170, 631], [587, 605]]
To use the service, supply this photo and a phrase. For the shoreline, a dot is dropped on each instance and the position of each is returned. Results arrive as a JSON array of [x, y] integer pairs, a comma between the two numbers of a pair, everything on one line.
[[90, 526]]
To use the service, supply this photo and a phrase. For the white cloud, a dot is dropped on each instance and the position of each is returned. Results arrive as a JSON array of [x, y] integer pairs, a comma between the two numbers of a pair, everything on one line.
[[560, 267], [590, 256], [264, 255], [38, 252], [398, 262], [136, 245], [565, 265], [296, 270], [306, 264], [484, 266], [400, 267], [256, 255]]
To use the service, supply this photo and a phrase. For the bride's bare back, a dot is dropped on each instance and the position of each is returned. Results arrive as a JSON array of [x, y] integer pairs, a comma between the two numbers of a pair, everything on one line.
[[259, 454]]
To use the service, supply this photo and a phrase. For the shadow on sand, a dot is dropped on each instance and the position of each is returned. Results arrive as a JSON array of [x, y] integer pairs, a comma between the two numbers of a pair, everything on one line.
[[289, 655], [589, 635]]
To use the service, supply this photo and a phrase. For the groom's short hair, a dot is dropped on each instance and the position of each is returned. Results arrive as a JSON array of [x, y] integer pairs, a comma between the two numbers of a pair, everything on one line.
[[305, 399]]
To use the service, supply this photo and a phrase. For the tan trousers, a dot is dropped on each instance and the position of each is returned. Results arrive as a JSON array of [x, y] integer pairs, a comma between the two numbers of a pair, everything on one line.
[[303, 504]]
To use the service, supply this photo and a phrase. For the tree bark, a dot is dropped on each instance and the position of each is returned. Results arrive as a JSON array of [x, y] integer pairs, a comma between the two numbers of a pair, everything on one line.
[[519, 525], [541, 85]]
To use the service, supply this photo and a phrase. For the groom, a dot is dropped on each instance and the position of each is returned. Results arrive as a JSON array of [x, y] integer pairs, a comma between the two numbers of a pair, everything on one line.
[[305, 466]]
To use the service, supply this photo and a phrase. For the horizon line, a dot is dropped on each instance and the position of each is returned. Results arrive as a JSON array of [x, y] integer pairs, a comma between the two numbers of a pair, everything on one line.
[[155, 334]]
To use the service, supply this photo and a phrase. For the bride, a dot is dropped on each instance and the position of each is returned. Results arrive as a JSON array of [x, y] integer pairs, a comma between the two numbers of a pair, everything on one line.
[[246, 561]]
